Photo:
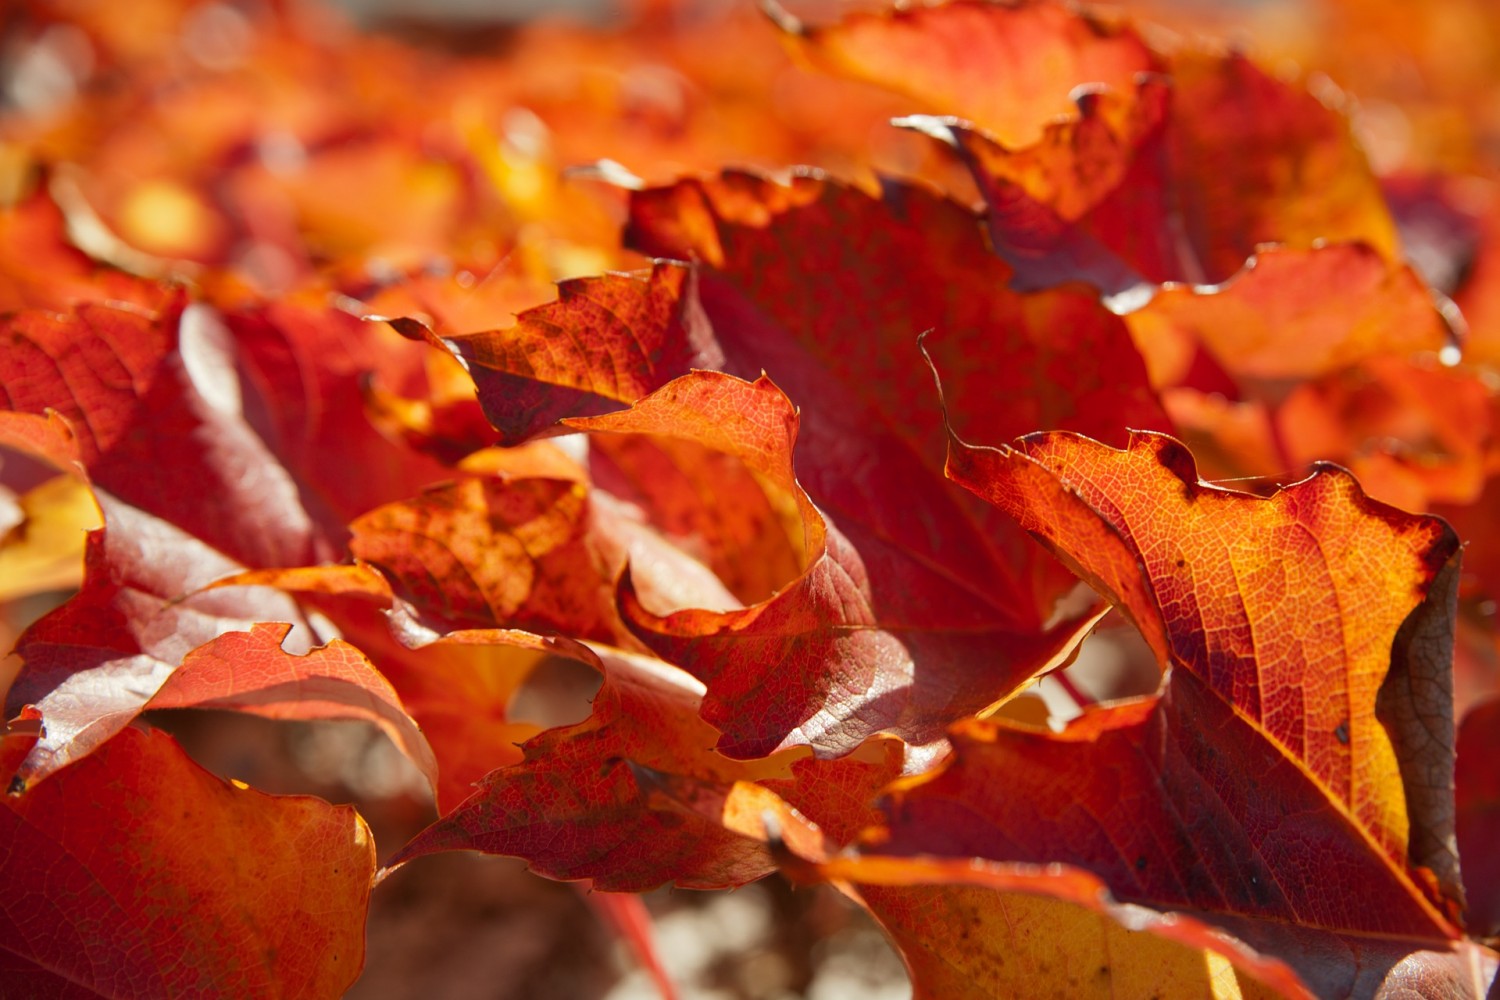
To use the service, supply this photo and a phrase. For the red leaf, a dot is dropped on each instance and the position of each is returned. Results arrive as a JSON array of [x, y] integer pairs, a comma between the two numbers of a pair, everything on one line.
[[252, 672], [130, 381], [457, 687], [707, 503], [103, 865], [1310, 702], [977, 928], [1260, 160], [608, 339], [1479, 816], [588, 802], [1088, 202], [310, 367], [93, 664], [959, 583], [822, 662]]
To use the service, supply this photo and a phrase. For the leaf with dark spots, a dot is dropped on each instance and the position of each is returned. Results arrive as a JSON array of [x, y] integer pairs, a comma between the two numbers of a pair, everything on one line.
[[535, 553], [1219, 812], [590, 800], [605, 341], [1270, 606], [1176, 804]]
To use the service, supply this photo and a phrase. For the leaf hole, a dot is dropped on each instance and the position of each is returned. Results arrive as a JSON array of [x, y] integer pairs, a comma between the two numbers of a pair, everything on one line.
[[1114, 662], [559, 691]]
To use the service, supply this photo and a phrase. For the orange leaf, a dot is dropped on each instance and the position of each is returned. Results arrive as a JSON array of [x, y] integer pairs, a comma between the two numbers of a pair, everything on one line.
[[1261, 160], [947, 56], [1270, 602], [1298, 314], [138, 873]]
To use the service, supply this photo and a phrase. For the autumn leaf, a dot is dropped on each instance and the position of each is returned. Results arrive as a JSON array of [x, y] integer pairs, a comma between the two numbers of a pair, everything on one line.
[[311, 366], [92, 665], [125, 381], [119, 378], [587, 801], [1262, 160], [1315, 674], [959, 585], [1180, 177], [1087, 202], [102, 863], [252, 672], [457, 686], [1330, 354], [1298, 314], [977, 928], [947, 56], [43, 270], [1478, 816], [607, 339]]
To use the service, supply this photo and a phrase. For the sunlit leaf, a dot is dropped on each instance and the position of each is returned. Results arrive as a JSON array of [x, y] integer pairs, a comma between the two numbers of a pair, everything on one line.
[[103, 865]]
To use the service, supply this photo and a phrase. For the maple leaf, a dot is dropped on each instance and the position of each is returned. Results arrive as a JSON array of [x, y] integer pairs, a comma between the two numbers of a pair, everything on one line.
[[946, 56], [1309, 702], [124, 381], [600, 799], [1180, 177], [1329, 354], [955, 585], [102, 863]]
